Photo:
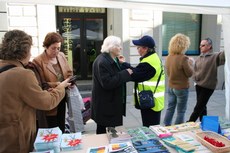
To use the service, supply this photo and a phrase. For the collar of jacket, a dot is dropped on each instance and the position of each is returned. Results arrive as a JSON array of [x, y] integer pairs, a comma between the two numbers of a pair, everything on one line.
[[13, 62], [45, 59], [206, 54], [146, 55], [108, 57]]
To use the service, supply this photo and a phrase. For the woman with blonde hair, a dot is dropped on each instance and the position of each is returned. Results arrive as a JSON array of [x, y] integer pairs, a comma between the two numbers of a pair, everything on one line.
[[179, 68]]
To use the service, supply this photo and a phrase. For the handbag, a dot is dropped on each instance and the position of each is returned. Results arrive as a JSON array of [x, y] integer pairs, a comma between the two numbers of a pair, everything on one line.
[[146, 97]]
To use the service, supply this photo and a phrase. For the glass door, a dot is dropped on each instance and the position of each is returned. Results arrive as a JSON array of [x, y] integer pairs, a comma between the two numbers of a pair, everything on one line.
[[83, 35], [94, 38]]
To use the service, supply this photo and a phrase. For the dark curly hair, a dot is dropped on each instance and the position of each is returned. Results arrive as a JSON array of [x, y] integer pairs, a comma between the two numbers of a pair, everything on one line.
[[16, 45], [52, 38]]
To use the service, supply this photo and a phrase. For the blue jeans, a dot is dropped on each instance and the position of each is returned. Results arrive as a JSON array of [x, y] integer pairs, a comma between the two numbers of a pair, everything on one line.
[[176, 98]]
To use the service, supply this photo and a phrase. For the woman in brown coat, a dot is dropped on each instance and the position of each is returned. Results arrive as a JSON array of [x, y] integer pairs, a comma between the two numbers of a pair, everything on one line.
[[21, 94], [179, 68], [53, 68]]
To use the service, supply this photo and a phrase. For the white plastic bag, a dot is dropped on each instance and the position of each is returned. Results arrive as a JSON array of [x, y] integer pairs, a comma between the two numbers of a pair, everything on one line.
[[75, 106]]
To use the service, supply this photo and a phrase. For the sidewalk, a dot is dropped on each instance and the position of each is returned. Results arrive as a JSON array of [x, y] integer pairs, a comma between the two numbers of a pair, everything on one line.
[[216, 106]]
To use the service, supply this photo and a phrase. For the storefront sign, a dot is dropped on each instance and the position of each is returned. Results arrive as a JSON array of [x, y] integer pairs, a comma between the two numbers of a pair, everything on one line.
[[63, 9]]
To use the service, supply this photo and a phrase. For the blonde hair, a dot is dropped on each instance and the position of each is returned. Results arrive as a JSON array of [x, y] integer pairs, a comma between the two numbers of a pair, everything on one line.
[[109, 43], [178, 44]]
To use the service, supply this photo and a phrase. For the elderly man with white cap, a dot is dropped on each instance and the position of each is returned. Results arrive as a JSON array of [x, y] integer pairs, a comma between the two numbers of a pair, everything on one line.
[[148, 75]]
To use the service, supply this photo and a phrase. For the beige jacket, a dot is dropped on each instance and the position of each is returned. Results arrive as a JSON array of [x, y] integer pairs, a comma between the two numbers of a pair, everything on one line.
[[20, 96], [206, 68], [48, 73]]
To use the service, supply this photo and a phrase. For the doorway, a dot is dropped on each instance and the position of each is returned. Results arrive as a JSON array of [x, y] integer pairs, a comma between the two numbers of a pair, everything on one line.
[[83, 34]]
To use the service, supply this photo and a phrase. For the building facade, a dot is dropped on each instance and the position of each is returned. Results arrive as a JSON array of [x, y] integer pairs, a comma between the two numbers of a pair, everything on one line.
[[84, 28]]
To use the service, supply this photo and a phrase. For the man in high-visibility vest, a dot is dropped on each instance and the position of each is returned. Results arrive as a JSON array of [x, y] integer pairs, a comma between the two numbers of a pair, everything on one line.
[[146, 75]]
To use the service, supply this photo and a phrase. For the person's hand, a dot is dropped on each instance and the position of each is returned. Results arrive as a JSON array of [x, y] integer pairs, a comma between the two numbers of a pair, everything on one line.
[[121, 58], [65, 83], [50, 89], [71, 86], [130, 71]]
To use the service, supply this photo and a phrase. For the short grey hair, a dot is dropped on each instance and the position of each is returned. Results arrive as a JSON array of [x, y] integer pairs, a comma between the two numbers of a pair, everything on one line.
[[109, 43], [16, 45]]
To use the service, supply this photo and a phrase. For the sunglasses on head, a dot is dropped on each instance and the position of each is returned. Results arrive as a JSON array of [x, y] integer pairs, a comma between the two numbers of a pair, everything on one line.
[[209, 41]]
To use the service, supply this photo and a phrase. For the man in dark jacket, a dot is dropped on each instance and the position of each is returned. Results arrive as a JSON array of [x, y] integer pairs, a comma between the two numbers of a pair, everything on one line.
[[108, 94]]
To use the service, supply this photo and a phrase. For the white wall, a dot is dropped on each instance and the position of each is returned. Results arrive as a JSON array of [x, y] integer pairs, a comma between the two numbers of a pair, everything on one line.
[[36, 20], [226, 23], [24, 17], [3, 19], [46, 19]]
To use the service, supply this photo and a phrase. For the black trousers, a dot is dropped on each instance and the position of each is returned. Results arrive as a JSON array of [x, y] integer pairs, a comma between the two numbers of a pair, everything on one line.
[[100, 129], [59, 119], [203, 95], [150, 117]]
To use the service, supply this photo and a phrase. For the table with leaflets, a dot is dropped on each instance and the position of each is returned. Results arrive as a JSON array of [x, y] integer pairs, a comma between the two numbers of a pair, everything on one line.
[[183, 138], [91, 141]]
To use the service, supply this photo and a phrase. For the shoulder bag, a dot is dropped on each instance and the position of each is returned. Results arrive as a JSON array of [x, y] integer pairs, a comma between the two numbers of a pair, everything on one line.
[[146, 97]]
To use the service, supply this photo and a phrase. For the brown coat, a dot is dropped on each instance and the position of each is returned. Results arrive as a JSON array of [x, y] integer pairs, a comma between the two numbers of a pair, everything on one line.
[[179, 70], [48, 73], [20, 96]]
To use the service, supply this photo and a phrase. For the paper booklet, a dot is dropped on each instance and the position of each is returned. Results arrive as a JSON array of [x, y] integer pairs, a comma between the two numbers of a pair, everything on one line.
[[118, 134], [71, 141], [100, 149], [48, 138], [47, 151], [125, 147], [160, 131]]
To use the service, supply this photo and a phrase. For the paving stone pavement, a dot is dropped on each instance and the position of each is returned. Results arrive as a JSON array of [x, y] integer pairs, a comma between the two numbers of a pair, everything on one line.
[[216, 106]]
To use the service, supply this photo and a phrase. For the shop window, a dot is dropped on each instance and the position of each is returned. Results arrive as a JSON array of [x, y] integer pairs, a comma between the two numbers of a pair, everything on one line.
[[186, 23]]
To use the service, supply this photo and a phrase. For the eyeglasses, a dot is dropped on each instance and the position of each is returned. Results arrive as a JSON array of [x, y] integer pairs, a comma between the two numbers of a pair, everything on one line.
[[55, 48], [202, 45]]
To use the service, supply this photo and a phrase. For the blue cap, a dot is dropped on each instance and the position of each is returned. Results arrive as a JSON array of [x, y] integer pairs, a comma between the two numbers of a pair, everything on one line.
[[145, 41]]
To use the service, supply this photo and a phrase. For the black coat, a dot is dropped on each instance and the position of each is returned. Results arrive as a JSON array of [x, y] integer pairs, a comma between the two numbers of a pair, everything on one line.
[[108, 94]]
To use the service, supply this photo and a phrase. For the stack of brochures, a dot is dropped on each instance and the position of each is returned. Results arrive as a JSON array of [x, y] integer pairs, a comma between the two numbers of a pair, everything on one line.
[[118, 134], [125, 147], [150, 146], [188, 126], [48, 139], [160, 131], [47, 151], [72, 141], [179, 145], [141, 134]]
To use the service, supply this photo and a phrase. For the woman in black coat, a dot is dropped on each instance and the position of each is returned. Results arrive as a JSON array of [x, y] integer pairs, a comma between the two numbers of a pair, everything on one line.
[[109, 90]]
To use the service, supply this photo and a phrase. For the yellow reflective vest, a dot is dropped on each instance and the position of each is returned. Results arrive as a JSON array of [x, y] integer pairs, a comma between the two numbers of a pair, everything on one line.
[[150, 84]]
